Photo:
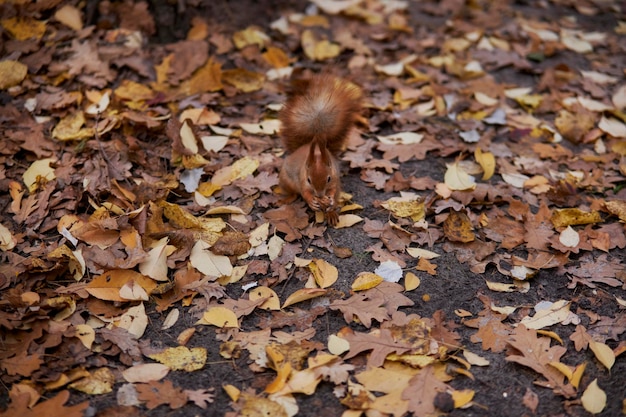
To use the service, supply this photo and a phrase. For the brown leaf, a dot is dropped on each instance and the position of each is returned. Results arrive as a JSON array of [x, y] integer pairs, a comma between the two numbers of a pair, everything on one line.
[[536, 353], [422, 390], [380, 343], [161, 393], [50, 408], [22, 364]]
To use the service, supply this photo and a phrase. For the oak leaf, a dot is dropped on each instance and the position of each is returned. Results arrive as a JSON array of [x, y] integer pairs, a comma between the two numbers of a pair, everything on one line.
[[51, 408], [380, 343], [422, 390], [536, 353]]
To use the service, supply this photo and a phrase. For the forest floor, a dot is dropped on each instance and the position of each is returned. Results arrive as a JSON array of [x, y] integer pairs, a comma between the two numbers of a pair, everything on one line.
[[148, 265]]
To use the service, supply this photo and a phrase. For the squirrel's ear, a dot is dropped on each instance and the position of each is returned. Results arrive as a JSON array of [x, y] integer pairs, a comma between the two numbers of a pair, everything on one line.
[[312, 151], [325, 153]]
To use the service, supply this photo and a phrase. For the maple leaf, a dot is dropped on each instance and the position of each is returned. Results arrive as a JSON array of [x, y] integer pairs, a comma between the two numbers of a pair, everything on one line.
[[422, 390], [536, 353], [158, 393], [53, 407], [380, 343], [539, 229], [200, 397]]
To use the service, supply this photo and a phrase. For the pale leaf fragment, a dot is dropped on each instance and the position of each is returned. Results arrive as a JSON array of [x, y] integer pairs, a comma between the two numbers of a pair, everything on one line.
[[209, 263], [457, 179], [569, 237], [551, 313], [146, 372]]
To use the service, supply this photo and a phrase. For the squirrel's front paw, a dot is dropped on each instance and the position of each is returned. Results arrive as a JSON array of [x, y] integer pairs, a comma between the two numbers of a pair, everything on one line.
[[316, 204]]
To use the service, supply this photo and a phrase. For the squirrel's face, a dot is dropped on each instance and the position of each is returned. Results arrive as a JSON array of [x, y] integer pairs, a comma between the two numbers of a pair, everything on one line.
[[320, 171], [320, 181]]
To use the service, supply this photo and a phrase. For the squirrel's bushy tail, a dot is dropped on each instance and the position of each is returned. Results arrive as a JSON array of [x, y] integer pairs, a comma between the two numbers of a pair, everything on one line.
[[322, 109]]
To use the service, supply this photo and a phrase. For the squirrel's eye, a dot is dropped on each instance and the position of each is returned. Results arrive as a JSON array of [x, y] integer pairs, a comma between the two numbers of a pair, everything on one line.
[[308, 180], [328, 179]]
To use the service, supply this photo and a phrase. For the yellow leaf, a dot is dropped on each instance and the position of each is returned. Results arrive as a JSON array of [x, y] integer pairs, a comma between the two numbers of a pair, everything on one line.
[[23, 28], [200, 116], [337, 345], [365, 281], [563, 368], [11, 73], [406, 207], [71, 128], [86, 334], [272, 301], [244, 80], [555, 313], [324, 273], [422, 253], [318, 50], [303, 295], [209, 263], [348, 220], [475, 359], [182, 358], [76, 262], [70, 17], [155, 266], [617, 208], [411, 281], [206, 78], [529, 101], [603, 353], [39, 172], [188, 138], [577, 375], [457, 179], [276, 57], [99, 382], [239, 170], [220, 317], [487, 161], [573, 216], [133, 92], [594, 398], [551, 334], [107, 286], [232, 391], [462, 398], [250, 36], [281, 379]]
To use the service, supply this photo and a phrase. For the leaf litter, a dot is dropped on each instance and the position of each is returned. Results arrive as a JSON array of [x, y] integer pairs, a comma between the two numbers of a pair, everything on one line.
[[141, 182]]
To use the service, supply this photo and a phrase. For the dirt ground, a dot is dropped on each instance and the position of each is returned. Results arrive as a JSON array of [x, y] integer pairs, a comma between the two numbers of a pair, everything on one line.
[[500, 387]]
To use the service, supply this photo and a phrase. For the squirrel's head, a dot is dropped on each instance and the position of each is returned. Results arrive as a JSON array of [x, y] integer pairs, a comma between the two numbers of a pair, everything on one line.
[[320, 168]]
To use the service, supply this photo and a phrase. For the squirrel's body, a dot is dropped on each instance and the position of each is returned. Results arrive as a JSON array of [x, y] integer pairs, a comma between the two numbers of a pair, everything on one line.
[[316, 122]]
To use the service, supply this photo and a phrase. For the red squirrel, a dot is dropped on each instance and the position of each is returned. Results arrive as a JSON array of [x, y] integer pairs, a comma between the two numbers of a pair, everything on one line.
[[316, 121]]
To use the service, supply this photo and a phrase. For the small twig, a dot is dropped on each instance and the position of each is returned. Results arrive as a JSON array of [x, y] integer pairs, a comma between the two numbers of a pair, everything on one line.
[[293, 271]]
